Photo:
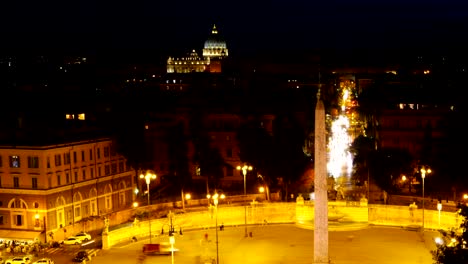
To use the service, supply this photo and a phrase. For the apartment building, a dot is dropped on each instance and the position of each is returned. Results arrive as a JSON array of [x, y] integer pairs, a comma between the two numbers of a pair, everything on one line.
[[45, 188]]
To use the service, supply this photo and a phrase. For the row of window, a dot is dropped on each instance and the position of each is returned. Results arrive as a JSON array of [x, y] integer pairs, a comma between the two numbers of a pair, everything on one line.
[[14, 161], [108, 170]]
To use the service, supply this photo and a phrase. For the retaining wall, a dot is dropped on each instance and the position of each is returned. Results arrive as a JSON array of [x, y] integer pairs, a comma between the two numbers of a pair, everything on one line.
[[262, 213]]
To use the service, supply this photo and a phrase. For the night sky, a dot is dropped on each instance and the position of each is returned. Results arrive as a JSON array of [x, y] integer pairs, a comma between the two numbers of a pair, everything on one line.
[[247, 26]]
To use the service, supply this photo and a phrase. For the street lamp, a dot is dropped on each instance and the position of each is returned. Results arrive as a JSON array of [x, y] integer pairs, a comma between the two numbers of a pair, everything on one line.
[[185, 197], [148, 176], [261, 189], [172, 242], [423, 176], [215, 198], [244, 169], [439, 208]]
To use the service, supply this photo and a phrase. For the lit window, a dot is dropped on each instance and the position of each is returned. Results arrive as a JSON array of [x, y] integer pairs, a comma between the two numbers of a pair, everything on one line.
[[69, 116], [81, 116], [14, 162]]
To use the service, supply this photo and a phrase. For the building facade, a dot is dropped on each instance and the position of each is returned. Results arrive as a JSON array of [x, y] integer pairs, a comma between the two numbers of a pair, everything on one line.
[[46, 188], [214, 51]]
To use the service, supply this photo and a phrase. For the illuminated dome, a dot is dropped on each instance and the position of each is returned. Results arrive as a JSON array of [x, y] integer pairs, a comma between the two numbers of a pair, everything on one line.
[[215, 46]]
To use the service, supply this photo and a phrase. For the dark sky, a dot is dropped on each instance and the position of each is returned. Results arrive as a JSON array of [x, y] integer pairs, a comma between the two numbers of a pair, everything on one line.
[[248, 26]]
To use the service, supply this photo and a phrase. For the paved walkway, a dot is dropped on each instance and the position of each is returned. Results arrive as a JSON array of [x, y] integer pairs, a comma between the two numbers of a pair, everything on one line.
[[288, 243]]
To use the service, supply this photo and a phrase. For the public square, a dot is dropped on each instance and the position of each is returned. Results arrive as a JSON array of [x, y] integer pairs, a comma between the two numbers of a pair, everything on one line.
[[285, 243]]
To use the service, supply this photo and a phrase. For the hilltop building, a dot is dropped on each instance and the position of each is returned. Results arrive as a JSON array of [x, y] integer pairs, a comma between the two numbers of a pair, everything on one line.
[[214, 51]]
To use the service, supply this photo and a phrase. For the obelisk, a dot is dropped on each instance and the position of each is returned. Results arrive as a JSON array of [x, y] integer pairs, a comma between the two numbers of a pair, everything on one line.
[[320, 181]]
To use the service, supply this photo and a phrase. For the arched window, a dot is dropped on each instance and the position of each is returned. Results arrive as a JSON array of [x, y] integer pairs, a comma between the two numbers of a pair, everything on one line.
[[18, 208], [122, 198], [17, 203], [60, 202], [108, 197], [77, 198], [93, 201]]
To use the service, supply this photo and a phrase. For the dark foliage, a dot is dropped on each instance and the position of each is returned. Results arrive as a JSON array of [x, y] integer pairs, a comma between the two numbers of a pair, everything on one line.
[[454, 248]]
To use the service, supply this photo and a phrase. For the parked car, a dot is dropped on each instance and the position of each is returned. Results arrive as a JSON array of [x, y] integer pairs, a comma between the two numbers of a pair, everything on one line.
[[81, 256], [18, 260], [72, 241], [44, 261], [83, 236]]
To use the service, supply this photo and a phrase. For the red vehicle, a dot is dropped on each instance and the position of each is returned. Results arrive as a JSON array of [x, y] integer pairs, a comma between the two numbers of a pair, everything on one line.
[[160, 248]]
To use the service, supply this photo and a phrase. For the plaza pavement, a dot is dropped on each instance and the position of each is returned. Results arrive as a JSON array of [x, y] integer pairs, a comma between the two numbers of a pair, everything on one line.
[[287, 243]]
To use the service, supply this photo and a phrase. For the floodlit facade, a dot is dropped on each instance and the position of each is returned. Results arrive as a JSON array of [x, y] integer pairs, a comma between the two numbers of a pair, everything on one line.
[[214, 51], [45, 188]]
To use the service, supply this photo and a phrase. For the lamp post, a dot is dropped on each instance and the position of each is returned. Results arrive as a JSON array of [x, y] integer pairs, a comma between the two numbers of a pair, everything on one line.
[[439, 208], [45, 230], [148, 176], [185, 197], [216, 198], [423, 176], [244, 169], [172, 242], [261, 189]]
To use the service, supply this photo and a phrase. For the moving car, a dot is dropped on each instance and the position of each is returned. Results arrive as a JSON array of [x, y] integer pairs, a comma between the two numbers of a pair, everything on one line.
[[18, 260], [44, 261], [81, 256], [161, 248], [72, 241], [83, 236]]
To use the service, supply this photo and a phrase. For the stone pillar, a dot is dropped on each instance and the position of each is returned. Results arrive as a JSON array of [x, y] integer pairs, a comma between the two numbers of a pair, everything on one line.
[[105, 234], [105, 240], [320, 181]]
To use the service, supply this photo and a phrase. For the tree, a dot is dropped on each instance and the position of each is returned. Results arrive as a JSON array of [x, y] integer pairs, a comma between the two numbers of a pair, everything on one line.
[[362, 148], [209, 160], [256, 148], [278, 156], [453, 250], [178, 156], [388, 164]]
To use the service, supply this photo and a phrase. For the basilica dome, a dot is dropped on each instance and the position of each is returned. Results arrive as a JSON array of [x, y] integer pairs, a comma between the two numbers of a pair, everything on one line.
[[215, 46]]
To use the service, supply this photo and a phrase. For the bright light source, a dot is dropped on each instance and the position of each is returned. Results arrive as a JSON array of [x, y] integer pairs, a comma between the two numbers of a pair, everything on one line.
[[439, 241]]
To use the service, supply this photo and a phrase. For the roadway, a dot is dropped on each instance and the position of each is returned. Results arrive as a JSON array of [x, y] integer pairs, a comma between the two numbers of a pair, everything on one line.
[[283, 243]]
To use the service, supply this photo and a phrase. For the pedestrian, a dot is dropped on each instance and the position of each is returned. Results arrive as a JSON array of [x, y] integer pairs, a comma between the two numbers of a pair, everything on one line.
[[412, 208]]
